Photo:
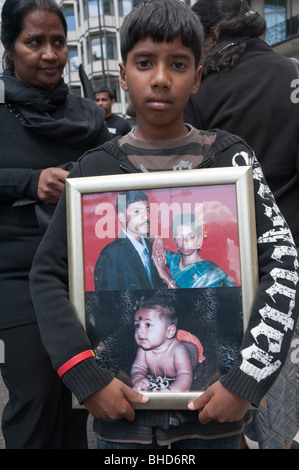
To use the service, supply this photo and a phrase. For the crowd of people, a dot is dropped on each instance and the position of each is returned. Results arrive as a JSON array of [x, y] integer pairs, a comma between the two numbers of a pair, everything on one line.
[[201, 82]]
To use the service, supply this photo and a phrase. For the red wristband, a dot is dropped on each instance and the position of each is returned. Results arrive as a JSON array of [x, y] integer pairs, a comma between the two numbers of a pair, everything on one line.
[[74, 361]]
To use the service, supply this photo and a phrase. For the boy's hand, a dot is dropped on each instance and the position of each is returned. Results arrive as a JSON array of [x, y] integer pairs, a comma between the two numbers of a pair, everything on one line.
[[114, 401], [219, 404]]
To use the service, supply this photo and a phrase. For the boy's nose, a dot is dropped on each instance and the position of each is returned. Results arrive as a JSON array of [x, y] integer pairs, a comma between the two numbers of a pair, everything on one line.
[[161, 77]]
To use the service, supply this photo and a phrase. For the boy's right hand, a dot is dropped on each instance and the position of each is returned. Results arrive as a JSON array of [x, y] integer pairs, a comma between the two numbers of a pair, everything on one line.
[[114, 401]]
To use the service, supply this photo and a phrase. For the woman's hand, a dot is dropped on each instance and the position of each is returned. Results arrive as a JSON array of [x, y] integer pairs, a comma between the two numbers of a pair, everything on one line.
[[50, 185], [159, 258]]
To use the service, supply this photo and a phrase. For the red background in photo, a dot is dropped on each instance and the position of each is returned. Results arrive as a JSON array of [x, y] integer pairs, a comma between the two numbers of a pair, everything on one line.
[[221, 244]]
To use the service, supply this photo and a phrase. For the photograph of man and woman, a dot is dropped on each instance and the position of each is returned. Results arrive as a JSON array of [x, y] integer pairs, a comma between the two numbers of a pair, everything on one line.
[[152, 262]]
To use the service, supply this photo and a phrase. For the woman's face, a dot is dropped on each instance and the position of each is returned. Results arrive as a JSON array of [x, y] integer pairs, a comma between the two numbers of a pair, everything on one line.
[[187, 240], [40, 51]]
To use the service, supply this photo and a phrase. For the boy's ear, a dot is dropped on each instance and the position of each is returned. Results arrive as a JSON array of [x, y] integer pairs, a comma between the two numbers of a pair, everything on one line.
[[123, 79], [197, 80]]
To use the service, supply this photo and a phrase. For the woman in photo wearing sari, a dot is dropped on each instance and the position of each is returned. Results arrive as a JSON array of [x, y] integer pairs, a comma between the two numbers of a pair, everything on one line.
[[187, 269]]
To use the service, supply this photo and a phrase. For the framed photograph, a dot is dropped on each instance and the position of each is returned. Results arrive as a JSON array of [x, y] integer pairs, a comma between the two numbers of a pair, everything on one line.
[[162, 274]]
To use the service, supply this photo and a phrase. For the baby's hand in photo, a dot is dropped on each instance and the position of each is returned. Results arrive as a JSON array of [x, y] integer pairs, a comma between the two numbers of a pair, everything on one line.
[[142, 385]]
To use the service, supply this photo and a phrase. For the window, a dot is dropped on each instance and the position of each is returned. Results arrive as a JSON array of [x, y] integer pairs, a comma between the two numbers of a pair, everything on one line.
[[107, 43], [70, 19], [125, 6], [95, 51], [73, 60], [93, 7], [275, 16]]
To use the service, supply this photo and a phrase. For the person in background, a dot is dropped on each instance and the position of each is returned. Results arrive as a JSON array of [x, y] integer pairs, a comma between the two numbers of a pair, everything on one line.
[[117, 125], [42, 128], [161, 44], [246, 89]]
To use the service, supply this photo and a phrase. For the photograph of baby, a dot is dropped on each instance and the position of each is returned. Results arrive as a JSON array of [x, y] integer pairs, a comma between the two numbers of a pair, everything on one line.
[[162, 285], [166, 341]]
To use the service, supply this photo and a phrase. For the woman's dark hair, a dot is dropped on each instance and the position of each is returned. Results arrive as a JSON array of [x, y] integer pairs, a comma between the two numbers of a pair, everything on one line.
[[231, 23], [161, 20], [12, 16]]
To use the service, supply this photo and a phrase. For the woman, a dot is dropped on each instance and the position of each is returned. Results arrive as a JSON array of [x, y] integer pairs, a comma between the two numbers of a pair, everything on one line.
[[245, 84], [187, 269], [42, 127]]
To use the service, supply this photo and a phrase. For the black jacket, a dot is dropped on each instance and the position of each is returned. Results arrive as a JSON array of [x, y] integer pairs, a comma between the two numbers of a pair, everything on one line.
[[272, 313], [254, 100], [23, 155]]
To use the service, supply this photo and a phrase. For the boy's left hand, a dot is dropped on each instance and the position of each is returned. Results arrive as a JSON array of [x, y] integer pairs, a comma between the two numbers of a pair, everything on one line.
[[218, 403]]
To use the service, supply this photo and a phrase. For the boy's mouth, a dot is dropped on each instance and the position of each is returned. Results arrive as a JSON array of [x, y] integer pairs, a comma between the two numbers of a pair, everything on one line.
[[159, 103]]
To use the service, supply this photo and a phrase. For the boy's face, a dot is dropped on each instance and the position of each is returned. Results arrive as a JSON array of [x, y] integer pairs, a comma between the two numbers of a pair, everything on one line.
[[160, 77]]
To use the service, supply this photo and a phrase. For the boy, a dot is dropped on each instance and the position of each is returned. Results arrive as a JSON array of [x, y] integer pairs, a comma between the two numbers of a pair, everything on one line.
[[161, 43]]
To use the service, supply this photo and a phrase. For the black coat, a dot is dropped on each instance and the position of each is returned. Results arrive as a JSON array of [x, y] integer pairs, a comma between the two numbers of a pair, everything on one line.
[[23, 155], [253, 100]]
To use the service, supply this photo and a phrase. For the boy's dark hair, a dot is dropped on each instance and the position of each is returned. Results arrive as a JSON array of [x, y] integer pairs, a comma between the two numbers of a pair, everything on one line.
[[161, 20]]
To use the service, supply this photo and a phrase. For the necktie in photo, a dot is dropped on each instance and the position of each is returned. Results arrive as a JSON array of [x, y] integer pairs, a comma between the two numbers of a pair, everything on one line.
[[146, 262]]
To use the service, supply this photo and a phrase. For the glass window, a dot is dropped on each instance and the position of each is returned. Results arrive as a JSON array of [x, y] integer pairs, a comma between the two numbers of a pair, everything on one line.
[[73, 60], [108, 45], [111, 50], [70, 19], [92, 8], [124, 7], [275, 16], [95, 52]]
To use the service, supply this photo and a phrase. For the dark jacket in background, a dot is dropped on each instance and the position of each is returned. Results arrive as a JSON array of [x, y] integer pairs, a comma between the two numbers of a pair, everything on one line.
[[253, 100], [23, 155]]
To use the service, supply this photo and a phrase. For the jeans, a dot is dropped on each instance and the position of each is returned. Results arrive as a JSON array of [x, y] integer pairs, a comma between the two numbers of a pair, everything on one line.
[[231, 442]]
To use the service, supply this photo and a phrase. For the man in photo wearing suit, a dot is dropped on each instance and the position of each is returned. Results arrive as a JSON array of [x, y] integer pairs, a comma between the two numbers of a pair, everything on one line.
[[126, 264]]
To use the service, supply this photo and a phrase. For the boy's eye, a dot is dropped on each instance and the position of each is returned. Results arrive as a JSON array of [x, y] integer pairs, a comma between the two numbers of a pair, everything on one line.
[[143, 64], [178, 66]]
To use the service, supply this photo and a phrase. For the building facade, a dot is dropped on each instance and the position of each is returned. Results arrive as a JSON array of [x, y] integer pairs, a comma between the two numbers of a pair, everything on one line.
[[93, 38]]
